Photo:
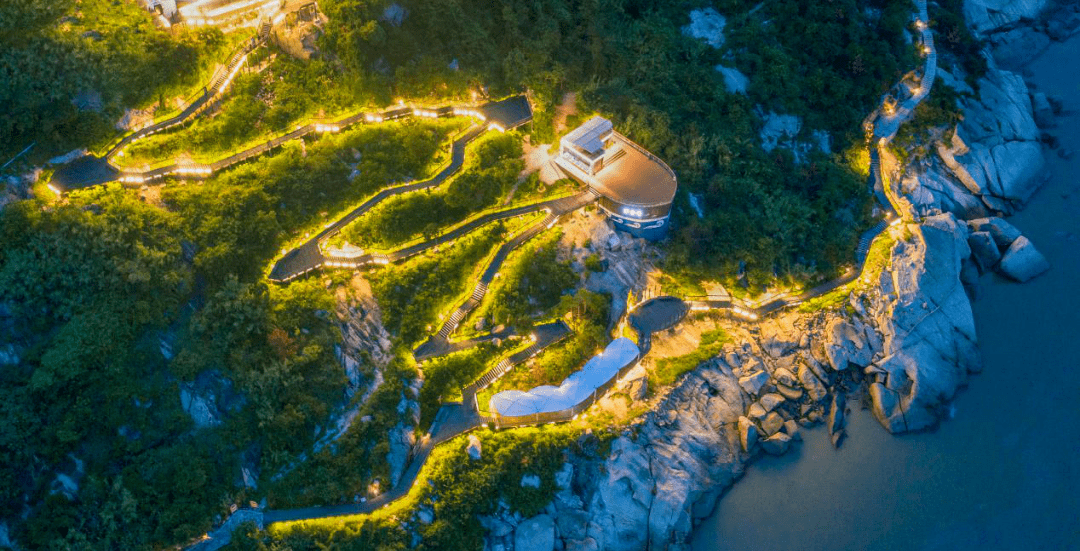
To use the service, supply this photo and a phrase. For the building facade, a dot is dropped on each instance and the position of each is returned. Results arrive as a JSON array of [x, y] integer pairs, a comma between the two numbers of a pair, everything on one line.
[[635, 188]]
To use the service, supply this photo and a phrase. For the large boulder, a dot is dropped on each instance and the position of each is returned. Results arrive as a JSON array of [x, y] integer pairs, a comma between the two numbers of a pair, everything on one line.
[[991, 163], [813, 385], [984, 250], [401, 441], [734, 81], [535, 534], [776, 444], [754, 382], [473, 449], [779, 130], [1001, 113], [924, 314], [1002, 232], [748, 433], [846, 345], [1022, 261], [706, 24]]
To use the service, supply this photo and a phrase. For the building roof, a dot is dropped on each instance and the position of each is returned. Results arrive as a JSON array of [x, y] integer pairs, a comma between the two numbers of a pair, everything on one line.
[[576, 388], [509, 113], [636, 177], [589, 137]]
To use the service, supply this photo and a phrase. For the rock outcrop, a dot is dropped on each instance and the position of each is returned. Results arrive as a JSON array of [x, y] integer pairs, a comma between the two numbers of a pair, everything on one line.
[[685, 451], [991, 163], [706, 24], [1022, 261], [928, 330], [535, 534], [734, 80], [985, 16]]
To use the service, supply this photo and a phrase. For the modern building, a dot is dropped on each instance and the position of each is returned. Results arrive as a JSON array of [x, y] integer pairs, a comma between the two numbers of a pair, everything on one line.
[[221, 13], [635, 188]]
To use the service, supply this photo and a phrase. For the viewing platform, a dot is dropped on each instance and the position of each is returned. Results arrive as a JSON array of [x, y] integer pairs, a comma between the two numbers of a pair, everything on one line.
[[635, 187]]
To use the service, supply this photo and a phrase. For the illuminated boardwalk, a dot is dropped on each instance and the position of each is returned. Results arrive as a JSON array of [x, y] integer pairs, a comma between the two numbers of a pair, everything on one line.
[[91, 170]]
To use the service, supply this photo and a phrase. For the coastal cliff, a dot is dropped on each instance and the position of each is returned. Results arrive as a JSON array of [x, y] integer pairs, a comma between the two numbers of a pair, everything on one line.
[[901, 344]]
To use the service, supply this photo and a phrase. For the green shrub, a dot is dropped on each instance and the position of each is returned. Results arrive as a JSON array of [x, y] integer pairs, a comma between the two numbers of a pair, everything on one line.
[[667, 370]]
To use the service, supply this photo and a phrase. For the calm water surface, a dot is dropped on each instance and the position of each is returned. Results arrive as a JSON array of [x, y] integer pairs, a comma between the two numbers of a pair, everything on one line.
[[1004, 472]]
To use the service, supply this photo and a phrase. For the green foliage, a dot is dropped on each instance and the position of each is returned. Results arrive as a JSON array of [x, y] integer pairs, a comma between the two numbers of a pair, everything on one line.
[[413, 294], [826, 62], [938, 112], [238, 218], [97, 283], [952, 35], [492, 166], [258, 105], [668, 370], [445, 376], [458, 490], [55, 51], [593, 263], [342, 470], [531, 283]]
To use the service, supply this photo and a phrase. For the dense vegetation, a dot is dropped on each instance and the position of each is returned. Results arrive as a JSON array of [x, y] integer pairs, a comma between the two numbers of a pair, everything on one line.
[[587, 314], [115, 305], [457, 490], [827, 62], [259, 105], [667, 370], [492, 166], [69, 68], [344, 469], [445, 376], [111, 300], [531, 283], [238, 218], [414, 294]]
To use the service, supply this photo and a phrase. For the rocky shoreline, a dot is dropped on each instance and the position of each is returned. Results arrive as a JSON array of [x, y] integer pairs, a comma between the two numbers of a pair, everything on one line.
[[901, 346]]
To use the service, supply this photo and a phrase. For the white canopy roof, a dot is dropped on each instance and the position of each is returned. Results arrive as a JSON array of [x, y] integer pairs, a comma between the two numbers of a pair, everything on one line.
[[577, 387]]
